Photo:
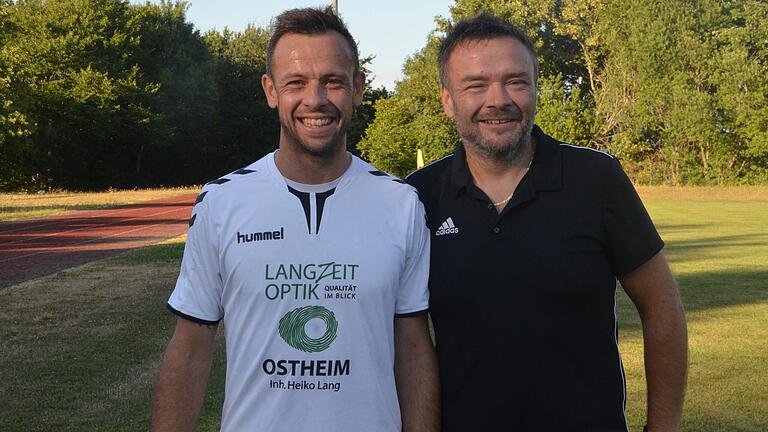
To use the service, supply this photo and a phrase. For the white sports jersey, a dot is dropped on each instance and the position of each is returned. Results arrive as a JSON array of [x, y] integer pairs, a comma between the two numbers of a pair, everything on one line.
[[308, 285]]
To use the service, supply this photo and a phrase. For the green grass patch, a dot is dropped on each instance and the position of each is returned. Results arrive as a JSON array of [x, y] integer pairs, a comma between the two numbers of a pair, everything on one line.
[[718, 250], [169, 251], [15, 206], [79, 350]]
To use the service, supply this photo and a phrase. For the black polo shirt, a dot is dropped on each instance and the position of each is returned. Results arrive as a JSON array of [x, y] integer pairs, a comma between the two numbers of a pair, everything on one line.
[[523, 303]]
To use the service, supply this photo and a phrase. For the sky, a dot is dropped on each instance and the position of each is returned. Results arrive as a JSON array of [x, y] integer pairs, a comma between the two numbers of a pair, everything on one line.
[[391, 30]]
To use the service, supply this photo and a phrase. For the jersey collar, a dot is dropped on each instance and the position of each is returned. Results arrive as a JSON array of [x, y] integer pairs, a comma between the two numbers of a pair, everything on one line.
[[345, 179], [546, 170]]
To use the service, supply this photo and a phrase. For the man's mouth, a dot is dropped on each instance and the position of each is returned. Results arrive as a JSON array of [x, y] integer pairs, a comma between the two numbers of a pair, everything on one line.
[[495, 122], [316, 122]]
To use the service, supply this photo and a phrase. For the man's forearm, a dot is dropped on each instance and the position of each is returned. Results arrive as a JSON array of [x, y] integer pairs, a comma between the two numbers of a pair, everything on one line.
[[666, 366], [654, 291], [182, 382], [417, 381]]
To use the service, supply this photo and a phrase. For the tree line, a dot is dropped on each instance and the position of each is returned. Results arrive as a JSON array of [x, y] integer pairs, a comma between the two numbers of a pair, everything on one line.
[[676, 89], [103, 93]]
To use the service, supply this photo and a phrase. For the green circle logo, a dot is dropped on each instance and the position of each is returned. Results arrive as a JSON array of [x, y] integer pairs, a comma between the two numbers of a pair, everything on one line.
[[292, 328]]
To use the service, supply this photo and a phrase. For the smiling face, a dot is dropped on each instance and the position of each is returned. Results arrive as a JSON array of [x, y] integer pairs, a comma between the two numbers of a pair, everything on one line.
[[490, 92], [314, 87]]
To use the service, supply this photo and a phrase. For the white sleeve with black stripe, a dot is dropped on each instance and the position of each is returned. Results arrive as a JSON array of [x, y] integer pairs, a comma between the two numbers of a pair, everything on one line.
[[198, 291], [413, 294]]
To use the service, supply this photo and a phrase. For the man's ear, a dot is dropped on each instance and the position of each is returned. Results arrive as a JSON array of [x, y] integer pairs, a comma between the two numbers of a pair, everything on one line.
[[269, 90], [359, 88], [445, 98]]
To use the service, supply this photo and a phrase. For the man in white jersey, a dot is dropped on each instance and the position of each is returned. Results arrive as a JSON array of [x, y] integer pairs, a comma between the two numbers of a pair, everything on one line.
[[316, 262]]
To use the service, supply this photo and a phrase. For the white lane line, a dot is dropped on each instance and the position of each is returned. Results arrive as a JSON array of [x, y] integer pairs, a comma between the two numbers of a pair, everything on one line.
[[24, 240], [98, 213], [84, 242]]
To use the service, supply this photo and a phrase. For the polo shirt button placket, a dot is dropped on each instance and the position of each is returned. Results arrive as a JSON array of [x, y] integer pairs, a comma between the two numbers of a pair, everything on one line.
[[496, 230]]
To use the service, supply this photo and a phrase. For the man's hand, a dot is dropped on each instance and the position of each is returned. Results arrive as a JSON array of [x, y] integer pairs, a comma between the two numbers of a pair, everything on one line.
[[418, 387], [183, 377], [655, 294]]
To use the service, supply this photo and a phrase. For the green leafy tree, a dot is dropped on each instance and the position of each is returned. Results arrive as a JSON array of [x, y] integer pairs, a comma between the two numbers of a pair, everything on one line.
[[413, 117], [98, 93], [244, 128], [87, 101], [686, 82], [14, 127], [676, 89], [173, 55], [410, 119], [366, 112], [741, 74], [565, 113]]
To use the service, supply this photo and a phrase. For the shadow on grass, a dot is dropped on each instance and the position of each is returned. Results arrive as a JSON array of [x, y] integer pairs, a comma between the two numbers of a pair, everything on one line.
[[705, 291], [671, 228], [680, 247]]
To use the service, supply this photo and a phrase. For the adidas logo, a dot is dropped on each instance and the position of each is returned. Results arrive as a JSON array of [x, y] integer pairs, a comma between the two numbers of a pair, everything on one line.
[[447, 228]]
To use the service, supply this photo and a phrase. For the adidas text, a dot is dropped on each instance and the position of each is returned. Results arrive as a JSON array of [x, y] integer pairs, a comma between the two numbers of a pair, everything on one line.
[[443, 231]]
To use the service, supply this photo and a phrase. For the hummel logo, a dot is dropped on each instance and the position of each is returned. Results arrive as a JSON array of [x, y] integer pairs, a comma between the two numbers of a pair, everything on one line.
[[447, 228], [259, 236]]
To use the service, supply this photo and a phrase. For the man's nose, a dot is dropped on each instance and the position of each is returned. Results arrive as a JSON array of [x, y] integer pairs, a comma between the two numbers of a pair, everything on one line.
[[315, 95], [498, 96]]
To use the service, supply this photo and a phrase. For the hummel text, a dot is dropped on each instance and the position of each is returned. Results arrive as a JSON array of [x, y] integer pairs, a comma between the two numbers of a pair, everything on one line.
[[259, 236]]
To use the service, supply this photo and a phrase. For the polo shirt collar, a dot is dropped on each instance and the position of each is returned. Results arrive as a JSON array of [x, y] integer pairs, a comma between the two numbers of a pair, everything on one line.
[[547, 166], [546, 169], [460, 178]]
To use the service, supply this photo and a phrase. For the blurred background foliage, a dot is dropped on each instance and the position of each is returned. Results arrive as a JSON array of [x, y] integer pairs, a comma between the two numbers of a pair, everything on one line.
[[102, 93], [677, 90]]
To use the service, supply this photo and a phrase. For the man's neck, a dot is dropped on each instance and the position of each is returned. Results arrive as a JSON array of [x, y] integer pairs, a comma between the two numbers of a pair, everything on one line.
[[499, 178], [306, 168]]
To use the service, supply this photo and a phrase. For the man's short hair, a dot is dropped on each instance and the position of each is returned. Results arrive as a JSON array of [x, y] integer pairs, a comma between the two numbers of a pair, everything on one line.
[[309, 21], [483, 26]]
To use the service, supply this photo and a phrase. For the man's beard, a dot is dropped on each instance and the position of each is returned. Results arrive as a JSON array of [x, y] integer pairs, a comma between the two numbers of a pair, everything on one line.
[[506, 153]]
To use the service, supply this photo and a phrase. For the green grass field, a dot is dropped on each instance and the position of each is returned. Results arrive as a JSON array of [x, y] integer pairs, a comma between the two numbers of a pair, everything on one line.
[[18, 205], [79, 350], [719, 253]]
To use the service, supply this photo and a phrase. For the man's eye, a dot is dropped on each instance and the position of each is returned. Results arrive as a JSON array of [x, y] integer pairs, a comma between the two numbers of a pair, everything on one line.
[[294, 83]]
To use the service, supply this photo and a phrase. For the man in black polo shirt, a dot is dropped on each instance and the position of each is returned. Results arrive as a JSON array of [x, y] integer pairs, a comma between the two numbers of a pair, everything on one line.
[[528, 238]]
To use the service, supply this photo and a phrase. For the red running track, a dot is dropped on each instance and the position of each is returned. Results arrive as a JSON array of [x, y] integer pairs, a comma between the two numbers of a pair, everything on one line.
[[39, 247]]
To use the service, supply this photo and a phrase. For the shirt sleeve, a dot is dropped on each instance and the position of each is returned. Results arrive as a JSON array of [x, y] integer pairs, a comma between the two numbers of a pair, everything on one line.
[[632, 238], [413, 294], [197, 296]]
